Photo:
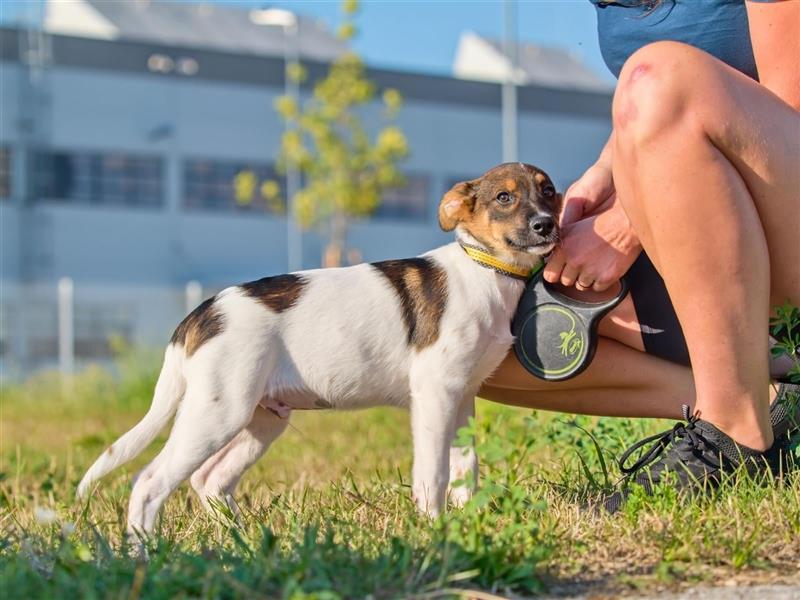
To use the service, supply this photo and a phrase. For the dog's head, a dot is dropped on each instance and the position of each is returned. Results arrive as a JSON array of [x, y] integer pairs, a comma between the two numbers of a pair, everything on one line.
[[511, 209]]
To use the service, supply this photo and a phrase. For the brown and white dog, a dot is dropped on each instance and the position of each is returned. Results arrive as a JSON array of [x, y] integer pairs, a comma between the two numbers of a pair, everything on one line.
[[422, 333]]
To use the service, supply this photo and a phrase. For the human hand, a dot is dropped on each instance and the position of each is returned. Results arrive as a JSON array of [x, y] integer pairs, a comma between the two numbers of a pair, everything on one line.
[[590, 194], [595, 252]]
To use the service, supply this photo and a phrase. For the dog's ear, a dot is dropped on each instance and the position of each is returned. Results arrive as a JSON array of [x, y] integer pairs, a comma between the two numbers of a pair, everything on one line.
[[457, 204]]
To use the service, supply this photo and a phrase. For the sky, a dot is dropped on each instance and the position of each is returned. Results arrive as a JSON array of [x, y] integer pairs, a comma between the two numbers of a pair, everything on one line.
[[422, 35]]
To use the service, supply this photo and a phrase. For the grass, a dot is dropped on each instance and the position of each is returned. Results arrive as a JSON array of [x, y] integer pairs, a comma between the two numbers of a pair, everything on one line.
[[328, 511]]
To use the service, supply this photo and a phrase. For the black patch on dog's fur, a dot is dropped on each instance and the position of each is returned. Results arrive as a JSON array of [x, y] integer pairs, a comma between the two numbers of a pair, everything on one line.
[[421, 286], [202, 324], [278, 293]]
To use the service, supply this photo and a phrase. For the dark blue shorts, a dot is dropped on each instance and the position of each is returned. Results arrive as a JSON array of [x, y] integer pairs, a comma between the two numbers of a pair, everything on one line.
[[661, 331]]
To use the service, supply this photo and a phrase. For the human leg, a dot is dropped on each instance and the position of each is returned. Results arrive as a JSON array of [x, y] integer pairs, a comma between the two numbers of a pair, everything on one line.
[[708, 176]]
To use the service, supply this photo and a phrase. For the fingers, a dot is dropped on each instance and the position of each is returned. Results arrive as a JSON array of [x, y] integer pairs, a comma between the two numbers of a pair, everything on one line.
[[569, 275], [601, 285], [594, 189], [573, 209], [555, 264], [558, 270]]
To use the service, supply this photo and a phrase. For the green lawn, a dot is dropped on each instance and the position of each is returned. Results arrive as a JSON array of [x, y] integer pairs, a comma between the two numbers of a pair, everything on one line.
[[328, 511]]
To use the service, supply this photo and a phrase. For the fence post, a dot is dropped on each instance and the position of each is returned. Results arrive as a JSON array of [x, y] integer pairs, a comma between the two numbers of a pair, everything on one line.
[[194, 295], [66, 326]]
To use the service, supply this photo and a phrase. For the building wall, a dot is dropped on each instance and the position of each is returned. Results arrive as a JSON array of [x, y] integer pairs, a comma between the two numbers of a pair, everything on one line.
[[111, 252], [103, 111]]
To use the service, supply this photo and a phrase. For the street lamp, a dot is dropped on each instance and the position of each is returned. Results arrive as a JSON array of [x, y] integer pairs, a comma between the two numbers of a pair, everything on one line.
[[289, 23]]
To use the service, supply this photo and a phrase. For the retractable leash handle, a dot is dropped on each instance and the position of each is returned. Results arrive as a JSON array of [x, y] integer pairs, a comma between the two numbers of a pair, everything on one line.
[[555, 335]]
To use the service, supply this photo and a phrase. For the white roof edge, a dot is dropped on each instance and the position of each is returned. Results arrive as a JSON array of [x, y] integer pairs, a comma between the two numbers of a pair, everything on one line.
[[77, 18], [481, 58], [477, 59]]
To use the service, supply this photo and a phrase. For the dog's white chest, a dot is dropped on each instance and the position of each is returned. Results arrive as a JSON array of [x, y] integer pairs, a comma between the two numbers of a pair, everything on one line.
[[497, 347]]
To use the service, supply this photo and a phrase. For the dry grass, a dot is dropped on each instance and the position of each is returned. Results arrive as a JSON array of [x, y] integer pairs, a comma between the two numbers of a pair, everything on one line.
[[328, 512]]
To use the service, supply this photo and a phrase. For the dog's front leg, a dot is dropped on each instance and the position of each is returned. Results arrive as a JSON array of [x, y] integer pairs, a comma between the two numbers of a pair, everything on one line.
[[433, 416], [463, 459]]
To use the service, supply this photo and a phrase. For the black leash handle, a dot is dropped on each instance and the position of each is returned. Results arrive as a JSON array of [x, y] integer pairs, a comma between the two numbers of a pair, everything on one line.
[[548, 290], [555, 335]]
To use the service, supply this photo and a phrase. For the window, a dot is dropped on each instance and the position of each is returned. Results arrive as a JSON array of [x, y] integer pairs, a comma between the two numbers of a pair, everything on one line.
[[240, 186], [5, 172], [108, 179], [406, 203]]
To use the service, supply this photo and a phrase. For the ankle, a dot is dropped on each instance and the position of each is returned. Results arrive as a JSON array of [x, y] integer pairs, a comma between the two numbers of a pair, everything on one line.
[[751, 437], [748, 428]]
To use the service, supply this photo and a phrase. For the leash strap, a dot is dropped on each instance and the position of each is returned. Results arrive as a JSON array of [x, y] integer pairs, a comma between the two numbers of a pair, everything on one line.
[[483, 258]]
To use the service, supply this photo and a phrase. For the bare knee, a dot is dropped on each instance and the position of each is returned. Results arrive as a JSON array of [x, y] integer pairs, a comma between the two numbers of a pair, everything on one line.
[[656, 93]]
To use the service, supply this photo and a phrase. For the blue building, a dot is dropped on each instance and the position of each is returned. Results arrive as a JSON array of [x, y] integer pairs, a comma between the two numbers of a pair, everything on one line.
[[121, 133]]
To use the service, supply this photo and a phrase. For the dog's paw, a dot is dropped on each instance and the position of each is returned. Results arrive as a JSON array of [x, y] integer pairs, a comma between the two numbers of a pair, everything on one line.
[[136, 547], [430, 512], [426, 506], [459, 495]]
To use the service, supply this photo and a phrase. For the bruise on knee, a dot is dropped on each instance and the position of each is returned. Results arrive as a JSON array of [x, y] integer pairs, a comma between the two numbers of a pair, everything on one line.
[[638, 71], [626, 110]]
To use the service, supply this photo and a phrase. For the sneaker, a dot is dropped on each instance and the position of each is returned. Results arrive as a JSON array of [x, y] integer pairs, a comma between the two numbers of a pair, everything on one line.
[[784, 412], [696, 455]]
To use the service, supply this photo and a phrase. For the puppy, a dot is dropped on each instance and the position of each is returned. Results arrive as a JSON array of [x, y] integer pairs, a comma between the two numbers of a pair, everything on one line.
[[422, 333]]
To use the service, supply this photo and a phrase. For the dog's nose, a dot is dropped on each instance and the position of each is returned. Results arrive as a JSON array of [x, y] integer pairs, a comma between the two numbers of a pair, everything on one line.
[[542, 225]]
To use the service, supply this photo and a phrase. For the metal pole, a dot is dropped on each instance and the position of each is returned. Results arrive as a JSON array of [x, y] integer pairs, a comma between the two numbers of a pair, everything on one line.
[[66, 328], [193, 295], [509, 89], [294, 237], [33, 131]]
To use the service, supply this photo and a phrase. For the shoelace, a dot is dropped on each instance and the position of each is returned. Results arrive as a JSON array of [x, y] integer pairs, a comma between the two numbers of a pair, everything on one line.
[[680, 431]]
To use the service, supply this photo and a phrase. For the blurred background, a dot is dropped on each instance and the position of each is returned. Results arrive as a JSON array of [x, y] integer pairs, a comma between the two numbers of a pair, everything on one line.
[[153, 152]]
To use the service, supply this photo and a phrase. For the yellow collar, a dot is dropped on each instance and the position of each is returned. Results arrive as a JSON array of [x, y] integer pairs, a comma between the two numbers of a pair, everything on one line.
[[484, 259]]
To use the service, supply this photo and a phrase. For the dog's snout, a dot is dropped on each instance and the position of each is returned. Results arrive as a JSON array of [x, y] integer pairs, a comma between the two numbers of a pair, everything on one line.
[[542, 225]]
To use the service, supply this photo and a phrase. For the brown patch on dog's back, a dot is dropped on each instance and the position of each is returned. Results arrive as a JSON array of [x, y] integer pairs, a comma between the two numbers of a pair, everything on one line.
[[421, 286], [202, 324], [278, 293]]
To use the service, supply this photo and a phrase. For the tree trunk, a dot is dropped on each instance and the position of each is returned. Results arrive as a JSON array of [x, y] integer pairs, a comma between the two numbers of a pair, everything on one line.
[[334, 252]]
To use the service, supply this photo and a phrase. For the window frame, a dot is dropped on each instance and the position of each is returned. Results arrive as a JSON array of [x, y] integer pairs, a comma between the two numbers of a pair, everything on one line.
[[6, 172], [264, 170], [99, 178]]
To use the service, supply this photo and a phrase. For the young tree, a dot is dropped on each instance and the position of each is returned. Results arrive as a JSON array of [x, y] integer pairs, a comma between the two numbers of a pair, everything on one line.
[[345, 170]]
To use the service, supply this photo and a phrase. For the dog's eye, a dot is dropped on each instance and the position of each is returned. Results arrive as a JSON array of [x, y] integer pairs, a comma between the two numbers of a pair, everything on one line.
[[549, 191], [503, 198]]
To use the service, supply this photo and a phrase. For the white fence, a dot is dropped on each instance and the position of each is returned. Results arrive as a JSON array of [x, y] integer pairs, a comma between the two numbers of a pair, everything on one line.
[[67, 324]]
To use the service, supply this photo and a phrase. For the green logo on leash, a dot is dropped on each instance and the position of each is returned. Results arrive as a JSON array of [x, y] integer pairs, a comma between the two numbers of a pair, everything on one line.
[[571, 344]]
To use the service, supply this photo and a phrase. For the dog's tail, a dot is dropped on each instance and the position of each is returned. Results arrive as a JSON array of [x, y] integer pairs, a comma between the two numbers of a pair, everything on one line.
[[168, 393]]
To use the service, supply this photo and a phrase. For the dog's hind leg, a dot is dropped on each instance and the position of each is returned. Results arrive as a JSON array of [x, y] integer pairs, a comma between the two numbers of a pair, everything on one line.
[[218, 477], [463, 460], [205, 423]]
